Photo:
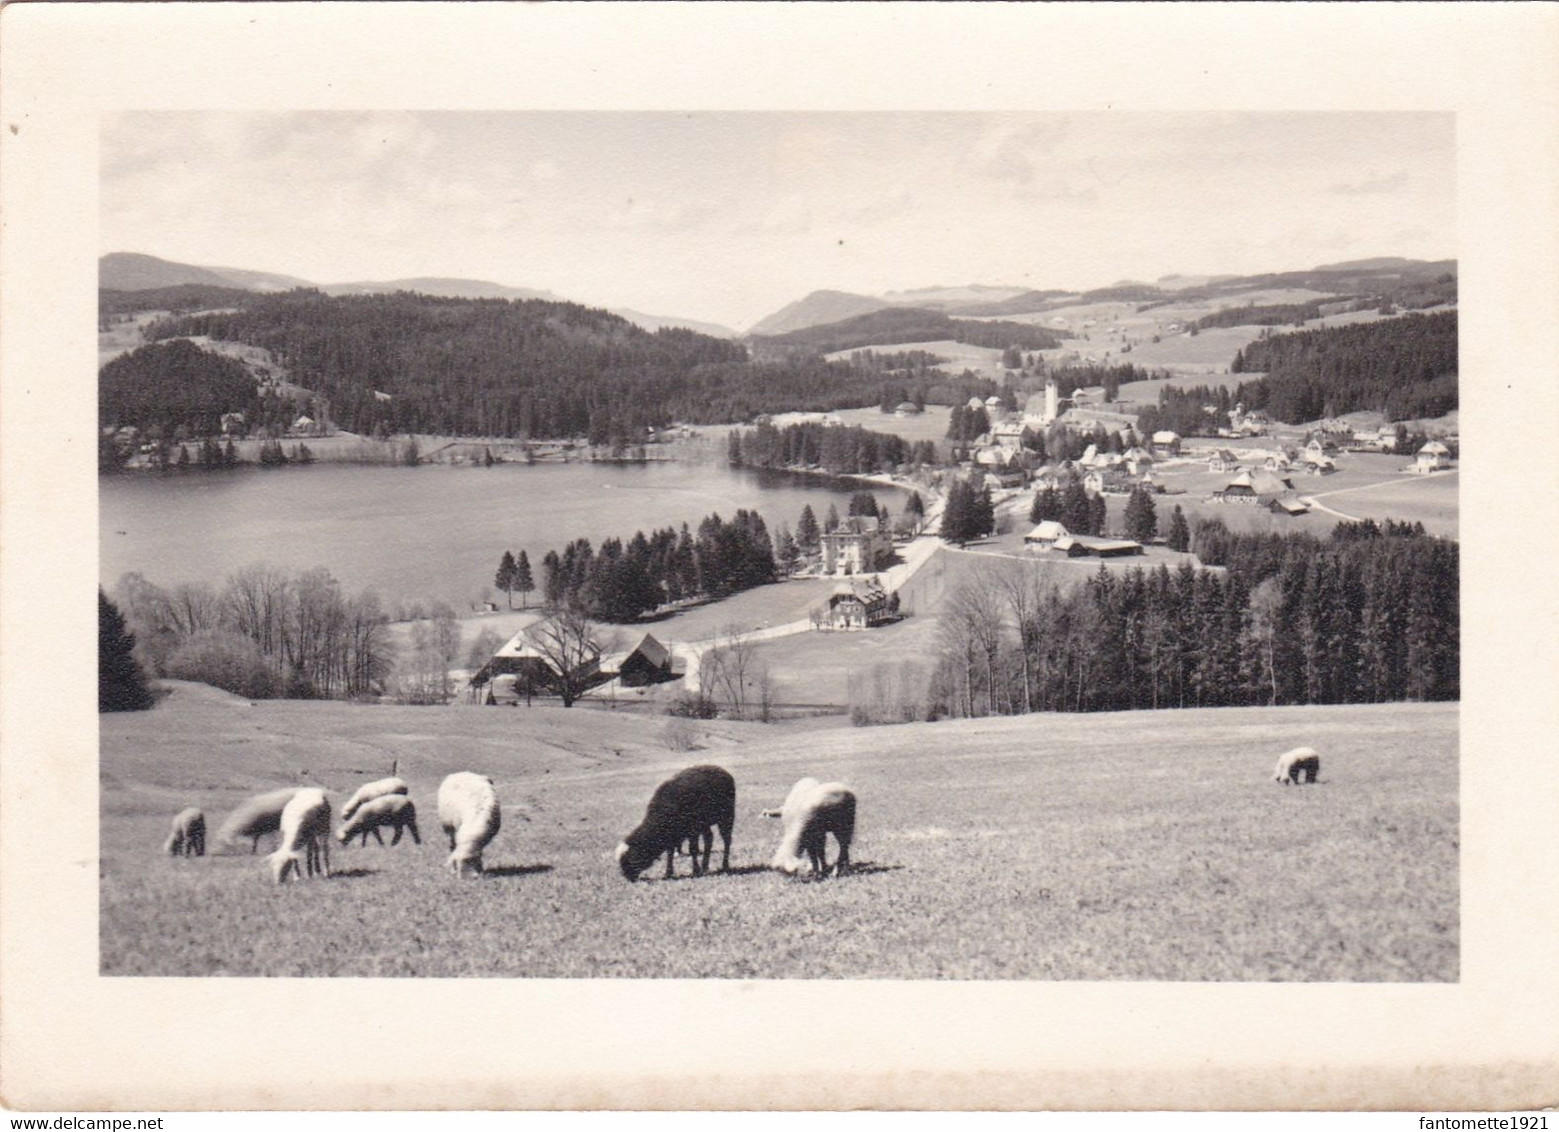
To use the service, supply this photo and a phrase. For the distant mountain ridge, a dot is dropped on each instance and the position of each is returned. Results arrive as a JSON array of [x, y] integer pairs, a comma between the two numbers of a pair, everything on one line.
[[129, 272], [822, 308]]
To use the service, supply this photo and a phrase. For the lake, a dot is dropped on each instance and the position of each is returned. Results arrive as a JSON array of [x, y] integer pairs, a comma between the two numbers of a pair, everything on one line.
[[431, 532]]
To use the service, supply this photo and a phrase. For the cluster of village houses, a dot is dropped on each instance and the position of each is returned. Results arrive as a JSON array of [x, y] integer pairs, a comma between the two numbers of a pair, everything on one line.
[[860, 547]]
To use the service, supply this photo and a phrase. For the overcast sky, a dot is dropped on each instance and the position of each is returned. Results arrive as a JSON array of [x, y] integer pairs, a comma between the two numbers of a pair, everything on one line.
[[728, 217]]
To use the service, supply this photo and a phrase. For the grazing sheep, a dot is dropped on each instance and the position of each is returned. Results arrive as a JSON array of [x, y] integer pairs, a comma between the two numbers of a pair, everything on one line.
[[368, 791], [685, 808], [469, 812], [256, 817], [1301, 764], [393, 810], [188, 838], [811, 812], [305, 836]]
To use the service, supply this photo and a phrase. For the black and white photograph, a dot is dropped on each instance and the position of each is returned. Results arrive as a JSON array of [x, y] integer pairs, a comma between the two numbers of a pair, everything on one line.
[[1097, 599], [951, 556]]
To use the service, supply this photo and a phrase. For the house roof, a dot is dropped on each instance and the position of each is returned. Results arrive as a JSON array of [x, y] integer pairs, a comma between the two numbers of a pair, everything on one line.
[[519, 646], [1048, 531], [651, 650], [1165, 436], [1434, 448], [862, 591], [1261, 481]]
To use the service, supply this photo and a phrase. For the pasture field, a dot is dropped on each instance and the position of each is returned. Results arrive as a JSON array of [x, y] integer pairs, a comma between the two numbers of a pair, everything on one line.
[[1431, 500], [931, 424], [959, 356], [1120, 846]]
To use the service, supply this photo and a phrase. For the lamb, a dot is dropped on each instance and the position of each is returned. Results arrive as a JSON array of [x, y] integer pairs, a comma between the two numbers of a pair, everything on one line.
[[256, 817], [469, 812], [368, 791], [685, 808], [305, 836], [393, 810], [1301, 764], [188, 838], [812, 811]]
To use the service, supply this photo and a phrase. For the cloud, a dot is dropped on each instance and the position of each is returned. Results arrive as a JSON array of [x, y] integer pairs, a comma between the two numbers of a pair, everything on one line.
[[1373, 182], [1016, 152]]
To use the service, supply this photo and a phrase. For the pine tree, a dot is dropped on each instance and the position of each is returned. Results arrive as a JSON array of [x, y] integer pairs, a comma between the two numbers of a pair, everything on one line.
[[1141, 517], [504, 579], [956, 513], [831, 520], [807, 531], [522, 579], [121, 685], [1179, 538], [1047, 505], [1098, 513]]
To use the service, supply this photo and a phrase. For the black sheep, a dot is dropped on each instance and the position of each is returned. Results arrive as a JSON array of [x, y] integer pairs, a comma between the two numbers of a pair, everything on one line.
[[685, 808]]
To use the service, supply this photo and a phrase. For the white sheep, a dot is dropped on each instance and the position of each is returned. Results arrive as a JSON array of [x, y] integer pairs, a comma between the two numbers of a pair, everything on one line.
[[469, 812], [392, 811], [256, 817], [1301, 764], [305, 836], [812, 811], [368, 791], [188, 837]]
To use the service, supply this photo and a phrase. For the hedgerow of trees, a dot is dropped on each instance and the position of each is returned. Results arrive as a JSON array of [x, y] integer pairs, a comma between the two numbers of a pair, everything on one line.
[[263, 634], [1367, 615], [833, 448], [621, 582]]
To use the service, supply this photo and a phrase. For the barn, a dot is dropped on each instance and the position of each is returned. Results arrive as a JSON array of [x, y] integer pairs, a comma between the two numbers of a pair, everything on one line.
[[649, 662]]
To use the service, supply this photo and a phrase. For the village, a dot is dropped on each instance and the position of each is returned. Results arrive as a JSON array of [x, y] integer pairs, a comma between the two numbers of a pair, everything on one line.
[[867, 575]]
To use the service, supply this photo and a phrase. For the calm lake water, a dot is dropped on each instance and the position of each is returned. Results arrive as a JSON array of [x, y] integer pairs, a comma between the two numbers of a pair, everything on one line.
[[430, 532]]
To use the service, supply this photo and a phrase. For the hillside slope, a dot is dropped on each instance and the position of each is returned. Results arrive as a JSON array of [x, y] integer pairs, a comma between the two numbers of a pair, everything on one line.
[[1121, 846]]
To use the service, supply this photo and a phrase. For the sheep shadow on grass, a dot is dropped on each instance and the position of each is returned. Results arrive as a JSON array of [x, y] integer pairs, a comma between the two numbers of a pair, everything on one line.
[[352, 874], [516, 870], [863, 868]]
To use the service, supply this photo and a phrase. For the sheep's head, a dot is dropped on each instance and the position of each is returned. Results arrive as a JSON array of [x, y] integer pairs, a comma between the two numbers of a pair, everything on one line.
[[344, 834], [632, 860], [463, 862], [283, 864]]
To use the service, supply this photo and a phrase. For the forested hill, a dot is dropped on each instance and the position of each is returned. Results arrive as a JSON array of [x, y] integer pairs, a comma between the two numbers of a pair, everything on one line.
[[905, 324], [1403, 367], [487, 367]]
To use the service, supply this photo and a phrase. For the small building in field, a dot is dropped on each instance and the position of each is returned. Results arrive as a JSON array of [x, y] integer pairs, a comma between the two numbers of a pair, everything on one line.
[[1166, 442], [1287, 507], [857, 604], [1432, 457], [1045, 535], [648, 662], [906, 409], [232, 424], [1223, 460], [1085, 546], [859, 545], [1318, 465]]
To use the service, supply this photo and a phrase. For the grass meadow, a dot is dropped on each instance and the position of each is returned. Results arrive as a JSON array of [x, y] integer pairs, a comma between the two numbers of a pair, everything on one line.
[[1102, 847]]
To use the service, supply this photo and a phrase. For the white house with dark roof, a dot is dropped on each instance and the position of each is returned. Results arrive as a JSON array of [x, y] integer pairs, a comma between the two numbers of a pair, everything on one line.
[[1432, 457]]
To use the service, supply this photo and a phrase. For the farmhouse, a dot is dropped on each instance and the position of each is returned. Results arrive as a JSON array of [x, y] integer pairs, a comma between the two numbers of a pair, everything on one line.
[[1166, 442], [856, 604], [522, 660], [858, 546], [906, 409], [648, 662], [1257, 487], [1045, 536], [1432, 457], [1222, 460], [1287, 507], [232, 423], [1318, 465]]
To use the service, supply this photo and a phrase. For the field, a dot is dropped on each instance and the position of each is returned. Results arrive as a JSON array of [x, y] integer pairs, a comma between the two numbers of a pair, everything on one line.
[[1047, 847], [928, 425]]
